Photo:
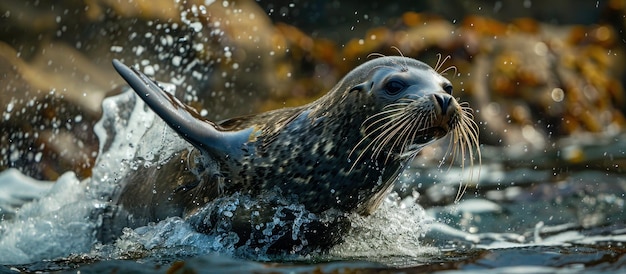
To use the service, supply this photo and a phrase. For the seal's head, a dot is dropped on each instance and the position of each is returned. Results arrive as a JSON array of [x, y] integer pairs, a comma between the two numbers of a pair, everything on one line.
[[404, 105]]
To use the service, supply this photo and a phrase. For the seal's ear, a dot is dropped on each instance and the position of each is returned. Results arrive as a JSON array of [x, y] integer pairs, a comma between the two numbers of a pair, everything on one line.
[[359, 87], [183, 119]]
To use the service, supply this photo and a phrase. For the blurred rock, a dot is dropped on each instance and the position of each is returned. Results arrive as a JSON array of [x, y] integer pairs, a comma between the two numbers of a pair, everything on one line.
[[55, 63], [529, 82], [49, 108]]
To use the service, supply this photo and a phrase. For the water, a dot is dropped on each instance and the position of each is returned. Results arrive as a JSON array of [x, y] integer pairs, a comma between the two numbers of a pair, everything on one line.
[[518, 220]]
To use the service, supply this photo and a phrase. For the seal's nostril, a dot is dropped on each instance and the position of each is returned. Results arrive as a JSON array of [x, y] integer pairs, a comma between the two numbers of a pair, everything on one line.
[[443, 100]]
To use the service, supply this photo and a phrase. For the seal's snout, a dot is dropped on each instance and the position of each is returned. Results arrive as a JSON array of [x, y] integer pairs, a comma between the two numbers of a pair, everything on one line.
[[446, 109], [443, 102]]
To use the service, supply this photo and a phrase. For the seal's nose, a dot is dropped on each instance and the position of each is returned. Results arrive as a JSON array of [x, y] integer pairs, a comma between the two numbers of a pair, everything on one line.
[[443, 100]]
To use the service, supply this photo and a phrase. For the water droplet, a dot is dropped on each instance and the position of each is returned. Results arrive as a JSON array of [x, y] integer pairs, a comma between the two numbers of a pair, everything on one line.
[[117, 49], [196, 26], [557, 95]]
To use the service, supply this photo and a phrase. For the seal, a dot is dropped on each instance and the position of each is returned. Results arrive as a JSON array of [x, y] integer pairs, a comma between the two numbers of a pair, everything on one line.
[[341, 152]]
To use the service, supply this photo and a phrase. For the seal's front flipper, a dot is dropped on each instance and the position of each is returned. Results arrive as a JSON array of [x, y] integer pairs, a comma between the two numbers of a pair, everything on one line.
[[200, 132]]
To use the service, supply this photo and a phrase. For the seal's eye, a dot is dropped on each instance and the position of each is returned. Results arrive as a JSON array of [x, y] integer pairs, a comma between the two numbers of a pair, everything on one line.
[[393, 87], [448, 88]]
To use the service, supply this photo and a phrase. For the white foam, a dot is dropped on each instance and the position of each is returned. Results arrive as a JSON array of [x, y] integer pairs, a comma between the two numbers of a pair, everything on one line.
[[50, 227], [394, 230], [17, 188]]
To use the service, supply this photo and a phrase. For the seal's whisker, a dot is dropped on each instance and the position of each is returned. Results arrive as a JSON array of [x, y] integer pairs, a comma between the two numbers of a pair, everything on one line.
[[468, 121], [408, 134], [408, 101], [412, 98], [363, 152], [382, 143], [439, 63], [467, 111], [382, 114], [449, 68], [397, 134], [406, 65], [417, 127], [463, 144], [386, 135], [450, 149], [472, 127], [399, 51], [397, 106], [424, 123], [387, 129], [459, 148], [469, 148], [375, 54], [389, 114], [403, 139], [467, 144], [425, 120], [402, 102], [385, 120], [386, 113], [386, 125]]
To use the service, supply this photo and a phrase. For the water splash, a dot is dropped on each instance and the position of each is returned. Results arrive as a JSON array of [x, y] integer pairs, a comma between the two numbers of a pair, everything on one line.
[[391, 235], [54, 225]]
